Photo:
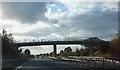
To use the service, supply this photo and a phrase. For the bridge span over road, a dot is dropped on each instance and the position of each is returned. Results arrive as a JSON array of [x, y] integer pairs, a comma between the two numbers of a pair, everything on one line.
[[54, 43]]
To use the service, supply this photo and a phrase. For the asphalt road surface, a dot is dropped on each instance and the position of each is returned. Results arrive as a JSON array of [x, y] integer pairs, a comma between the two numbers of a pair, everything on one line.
[[49, 64]]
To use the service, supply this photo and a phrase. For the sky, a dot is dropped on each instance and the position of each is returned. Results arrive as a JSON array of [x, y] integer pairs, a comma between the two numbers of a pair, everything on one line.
[[59, 20]]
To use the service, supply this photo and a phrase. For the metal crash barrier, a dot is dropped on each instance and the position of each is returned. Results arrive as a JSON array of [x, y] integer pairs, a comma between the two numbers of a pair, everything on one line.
[[93, 62]]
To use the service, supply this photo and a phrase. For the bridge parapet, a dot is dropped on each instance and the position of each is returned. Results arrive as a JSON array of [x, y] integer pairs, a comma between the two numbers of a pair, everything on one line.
[[59, 39]]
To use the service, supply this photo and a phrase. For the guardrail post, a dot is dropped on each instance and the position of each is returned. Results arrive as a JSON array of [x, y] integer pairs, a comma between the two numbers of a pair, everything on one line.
[[114, 66], [94, 62], [88, 61], [103, 62], [82, 62]]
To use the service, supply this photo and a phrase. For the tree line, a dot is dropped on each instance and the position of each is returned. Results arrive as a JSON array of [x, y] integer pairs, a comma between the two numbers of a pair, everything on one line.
[[111, 49], [10, 50]]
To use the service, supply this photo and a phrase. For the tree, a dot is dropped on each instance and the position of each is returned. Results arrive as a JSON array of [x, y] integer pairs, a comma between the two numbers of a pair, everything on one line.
[[61, 53], [95, 44], [77, 52], [20, 51], [85, 51], [114, 46], [82, 51], [68, 51], [8, 47], [27, 53], [52, 53]]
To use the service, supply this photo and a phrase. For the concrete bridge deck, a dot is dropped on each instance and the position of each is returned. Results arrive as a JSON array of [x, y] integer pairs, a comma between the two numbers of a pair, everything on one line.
[[58, 43]]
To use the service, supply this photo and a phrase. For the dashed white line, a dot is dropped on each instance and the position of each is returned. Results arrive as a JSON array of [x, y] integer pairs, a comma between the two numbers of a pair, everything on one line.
[[21, 65]]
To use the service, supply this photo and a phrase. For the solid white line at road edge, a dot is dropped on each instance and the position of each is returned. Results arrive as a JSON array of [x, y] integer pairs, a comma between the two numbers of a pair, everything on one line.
[[21, 65]]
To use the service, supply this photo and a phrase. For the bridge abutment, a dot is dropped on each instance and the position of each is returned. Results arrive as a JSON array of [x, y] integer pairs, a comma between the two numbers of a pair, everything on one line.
[[55, 50]]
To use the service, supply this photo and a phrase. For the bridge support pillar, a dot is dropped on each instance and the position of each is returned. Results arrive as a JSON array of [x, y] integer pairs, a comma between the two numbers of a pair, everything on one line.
[[55, 50]]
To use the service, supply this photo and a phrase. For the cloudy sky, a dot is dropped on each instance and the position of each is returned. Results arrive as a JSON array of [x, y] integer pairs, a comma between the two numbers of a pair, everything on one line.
[[59, 20]]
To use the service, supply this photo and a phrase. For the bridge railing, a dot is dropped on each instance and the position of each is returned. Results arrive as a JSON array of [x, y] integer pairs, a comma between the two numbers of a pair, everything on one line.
[[57, 39], [44, 40]]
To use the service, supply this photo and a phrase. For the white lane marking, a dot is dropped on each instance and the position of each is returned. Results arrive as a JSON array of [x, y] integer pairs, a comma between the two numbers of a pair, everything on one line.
[[21, 65]]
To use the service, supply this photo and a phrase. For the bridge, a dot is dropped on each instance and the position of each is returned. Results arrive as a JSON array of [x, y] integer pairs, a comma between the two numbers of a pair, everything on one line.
[[55, 43], [67, 63]]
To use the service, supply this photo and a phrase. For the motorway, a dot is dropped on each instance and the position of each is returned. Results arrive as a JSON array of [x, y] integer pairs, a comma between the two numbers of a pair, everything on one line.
[[50, 64]]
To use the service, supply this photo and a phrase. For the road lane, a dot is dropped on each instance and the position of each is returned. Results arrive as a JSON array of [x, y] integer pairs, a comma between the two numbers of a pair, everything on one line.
[[49, 64]]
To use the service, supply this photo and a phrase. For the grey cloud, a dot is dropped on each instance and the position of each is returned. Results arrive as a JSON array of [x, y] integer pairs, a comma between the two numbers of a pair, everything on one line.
[[102, 24], [25, 12], [54, 21], [38, 32]]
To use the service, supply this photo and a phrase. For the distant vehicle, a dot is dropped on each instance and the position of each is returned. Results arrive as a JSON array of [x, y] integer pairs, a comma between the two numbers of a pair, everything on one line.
[[37, 57]]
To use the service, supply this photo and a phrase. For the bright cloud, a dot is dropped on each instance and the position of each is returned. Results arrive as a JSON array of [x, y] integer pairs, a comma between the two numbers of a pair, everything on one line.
[[82, 14]]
